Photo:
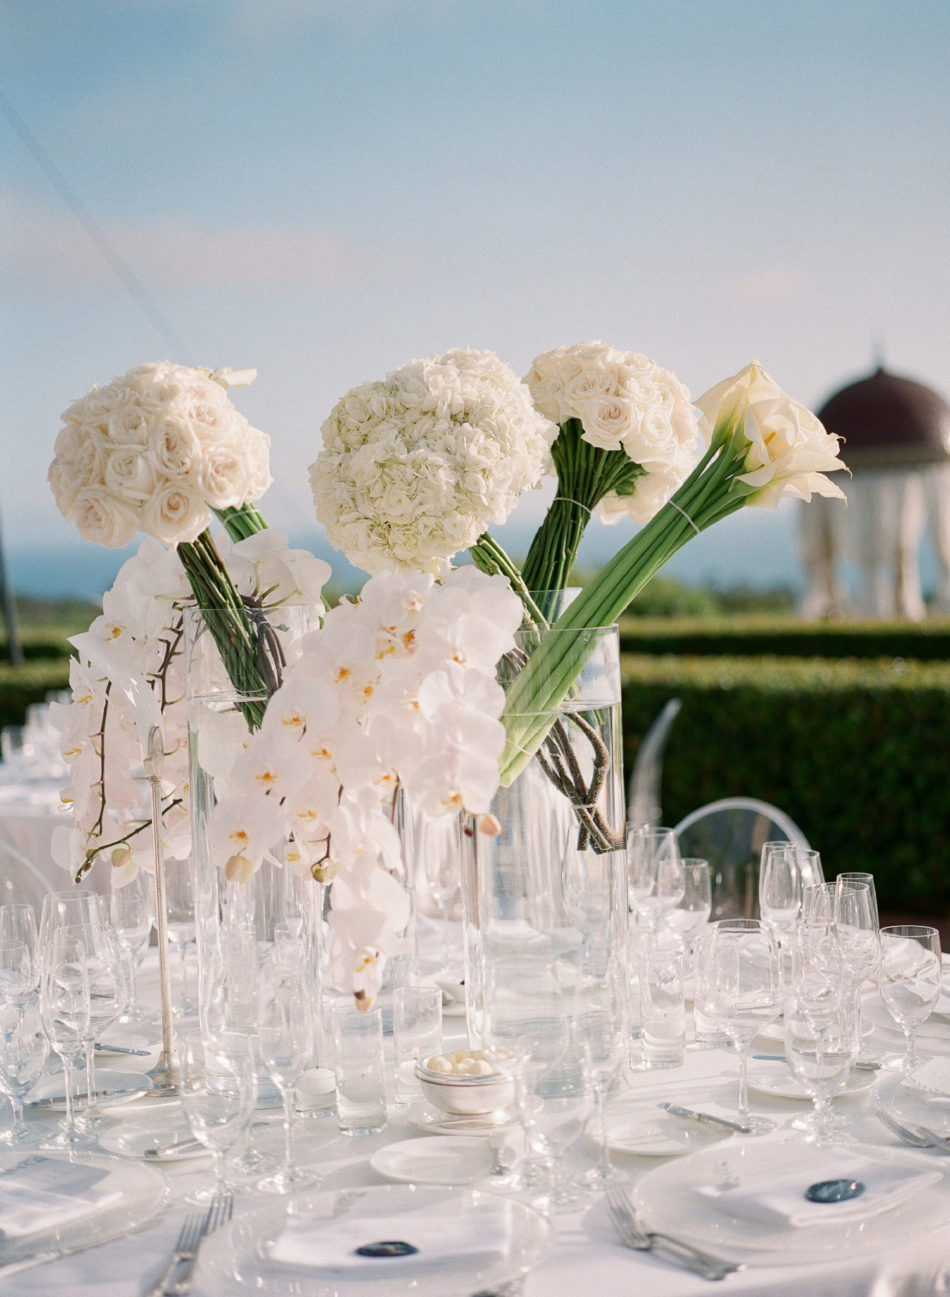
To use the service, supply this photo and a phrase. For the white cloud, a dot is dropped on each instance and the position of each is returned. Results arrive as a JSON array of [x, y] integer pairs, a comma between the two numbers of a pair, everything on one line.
[[51, 249]]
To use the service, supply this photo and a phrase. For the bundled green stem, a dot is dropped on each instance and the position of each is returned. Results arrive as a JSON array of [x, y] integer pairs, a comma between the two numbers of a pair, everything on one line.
[[710, 493]]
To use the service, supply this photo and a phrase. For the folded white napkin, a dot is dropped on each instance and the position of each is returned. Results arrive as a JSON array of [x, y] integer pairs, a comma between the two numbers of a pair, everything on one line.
[[42, 1193], [776, 1196], [933, 1077], [440, 1233]]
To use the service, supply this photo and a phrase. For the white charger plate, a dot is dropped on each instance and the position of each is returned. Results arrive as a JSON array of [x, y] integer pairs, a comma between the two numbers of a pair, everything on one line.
[[437, 1159], [668, 1198], [644, 1134], [237, 1259], [139, 1194], [777, 1079]]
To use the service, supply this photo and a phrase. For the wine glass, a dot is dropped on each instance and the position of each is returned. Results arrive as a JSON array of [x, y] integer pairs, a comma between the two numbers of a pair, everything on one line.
[[910, 979], [440, 861], [65, 1012], [602, 1042], [566, 1095], [820, 1045], [181, 927], [19, 969], [690, 915], [24, 1049], [285, 1037], [217, 1097], [132, 913], [526, 1034], [738, 989], [655, 882]]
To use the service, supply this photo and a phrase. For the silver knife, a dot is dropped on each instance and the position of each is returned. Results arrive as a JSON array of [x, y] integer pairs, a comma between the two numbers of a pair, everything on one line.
[[121, 1049], [862, 1064], [707, 1117]]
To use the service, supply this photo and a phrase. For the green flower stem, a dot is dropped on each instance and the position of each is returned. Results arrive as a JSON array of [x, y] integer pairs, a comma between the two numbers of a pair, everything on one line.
[[585, 474], [710, 493], [489, 557], [234, 633]]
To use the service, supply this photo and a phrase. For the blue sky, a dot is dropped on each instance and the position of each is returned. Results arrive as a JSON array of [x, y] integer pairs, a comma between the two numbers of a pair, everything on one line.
[[325, 189]]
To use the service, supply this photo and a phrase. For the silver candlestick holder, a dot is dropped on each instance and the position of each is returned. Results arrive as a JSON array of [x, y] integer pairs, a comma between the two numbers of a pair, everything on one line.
[[165, 1077]]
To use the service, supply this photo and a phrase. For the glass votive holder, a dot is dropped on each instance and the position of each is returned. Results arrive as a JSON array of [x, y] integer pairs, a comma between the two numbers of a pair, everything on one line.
[[360, 1070], [417, 1035], [316, 1092], [662, 1007]]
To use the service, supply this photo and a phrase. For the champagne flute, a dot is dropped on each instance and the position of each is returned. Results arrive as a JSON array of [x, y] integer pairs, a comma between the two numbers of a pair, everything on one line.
[[285, 1036], [856, 925], [780, 897], [738, 989], [64, 1008], [655, 883], [24, 1049], [217, 1096], [602, 1042], [181, 926], [440, 860], [132, 913], [910, 979]]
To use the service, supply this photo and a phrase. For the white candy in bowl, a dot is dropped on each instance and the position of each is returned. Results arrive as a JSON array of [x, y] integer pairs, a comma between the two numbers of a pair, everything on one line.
[[465, 1083]]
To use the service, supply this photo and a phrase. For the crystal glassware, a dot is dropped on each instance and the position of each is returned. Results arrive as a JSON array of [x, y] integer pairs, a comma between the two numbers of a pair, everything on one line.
[[690, 915], [910, 979], [655, 882], [739, 989], [820, 1046], [24, 1049], [19, 966], [217, 1096], [64, 1009], [132, 914], [285, 1040]]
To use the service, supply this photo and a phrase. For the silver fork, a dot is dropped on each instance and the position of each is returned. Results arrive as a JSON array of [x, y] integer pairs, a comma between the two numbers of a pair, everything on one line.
[[222, 1205], [186, 1248], [626, 1223], [916, 1136]]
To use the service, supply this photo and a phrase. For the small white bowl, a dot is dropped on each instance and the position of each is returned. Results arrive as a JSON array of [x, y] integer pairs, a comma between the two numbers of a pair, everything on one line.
[[465, 1096]]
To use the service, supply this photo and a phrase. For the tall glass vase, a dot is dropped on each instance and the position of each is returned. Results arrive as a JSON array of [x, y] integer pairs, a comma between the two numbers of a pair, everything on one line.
[[233, 920], [550, 883]]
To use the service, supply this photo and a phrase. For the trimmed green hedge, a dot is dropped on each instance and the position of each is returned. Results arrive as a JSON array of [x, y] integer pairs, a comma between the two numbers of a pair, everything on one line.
[[38, 645], [29, 684], [787, 637], [854, 751]]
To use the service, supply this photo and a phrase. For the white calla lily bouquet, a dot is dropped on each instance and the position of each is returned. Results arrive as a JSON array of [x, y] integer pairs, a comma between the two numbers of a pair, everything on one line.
[[398, 687]]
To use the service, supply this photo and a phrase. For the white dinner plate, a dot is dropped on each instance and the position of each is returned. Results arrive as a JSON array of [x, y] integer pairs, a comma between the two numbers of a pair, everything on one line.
[[669, 1198], [111, 1087], [915, 1105], [237, 1257], [438, 1159], [424, 1117], [778, 1080], [644, 1134], [127, 1062], [127, 1195]]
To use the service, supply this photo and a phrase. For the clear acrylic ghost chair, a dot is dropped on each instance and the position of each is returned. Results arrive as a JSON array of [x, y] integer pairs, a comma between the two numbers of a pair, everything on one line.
[[643, 791], [730, 834]]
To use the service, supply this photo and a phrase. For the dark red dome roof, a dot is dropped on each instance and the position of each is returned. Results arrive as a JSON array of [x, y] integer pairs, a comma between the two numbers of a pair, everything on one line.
[[888, 420]]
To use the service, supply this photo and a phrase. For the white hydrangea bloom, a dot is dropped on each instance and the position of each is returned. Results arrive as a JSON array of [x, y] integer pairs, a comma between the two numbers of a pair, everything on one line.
[[415, 467], [151, 451], [624, 401]]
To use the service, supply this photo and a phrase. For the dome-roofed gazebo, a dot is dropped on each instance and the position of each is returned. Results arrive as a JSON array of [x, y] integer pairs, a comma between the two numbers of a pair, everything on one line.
[[897, 444]]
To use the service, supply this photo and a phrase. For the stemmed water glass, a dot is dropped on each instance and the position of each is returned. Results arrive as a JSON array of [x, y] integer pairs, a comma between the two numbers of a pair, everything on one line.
[[217, 1096], [820, 1045], [19, 969], [690, 915], [567, 1100], [132, 913], [655, 882], [285, 1036], [64, 1009], [24, 1049], [601, 1039], [910, 974], [780, 897], [739, 990]]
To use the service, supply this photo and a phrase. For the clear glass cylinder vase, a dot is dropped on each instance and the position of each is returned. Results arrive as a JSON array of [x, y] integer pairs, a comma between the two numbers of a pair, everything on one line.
[[547, 878], [236, 922]]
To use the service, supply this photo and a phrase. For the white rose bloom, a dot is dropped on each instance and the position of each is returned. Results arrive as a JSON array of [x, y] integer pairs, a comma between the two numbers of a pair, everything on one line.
[[173, 515], [102, 517], [789, 452], [129, 473], [624, 401]]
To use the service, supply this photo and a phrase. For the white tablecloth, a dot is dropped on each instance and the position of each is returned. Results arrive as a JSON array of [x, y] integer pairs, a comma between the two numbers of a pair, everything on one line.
[[585, 1256]]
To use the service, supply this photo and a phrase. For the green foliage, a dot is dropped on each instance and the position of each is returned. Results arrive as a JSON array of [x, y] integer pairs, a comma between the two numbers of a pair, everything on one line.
[[29, 684], [854, 751], [750, 636]]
